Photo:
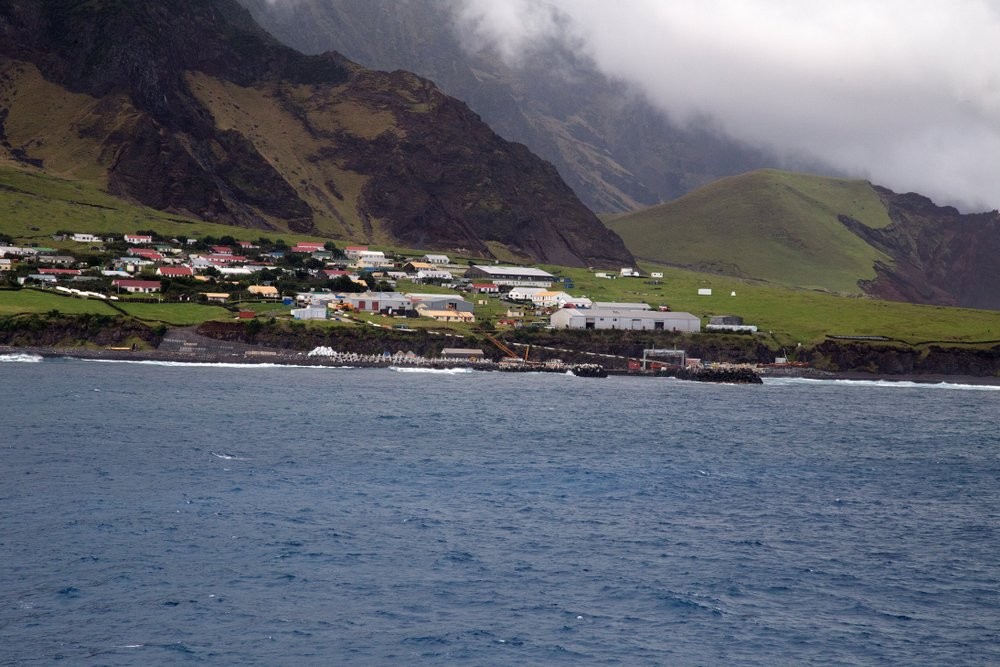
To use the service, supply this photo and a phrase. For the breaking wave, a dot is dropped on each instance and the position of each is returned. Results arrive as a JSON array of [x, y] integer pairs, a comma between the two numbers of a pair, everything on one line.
[[887, 384], [20, 357]]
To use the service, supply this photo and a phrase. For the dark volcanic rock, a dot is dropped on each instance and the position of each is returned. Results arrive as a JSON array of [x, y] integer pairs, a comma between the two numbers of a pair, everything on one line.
[[450, 181], [940, 255], [902, 359]]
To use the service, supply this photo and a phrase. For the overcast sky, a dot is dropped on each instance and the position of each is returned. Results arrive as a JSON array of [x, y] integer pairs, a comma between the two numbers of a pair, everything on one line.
[[903, 92]]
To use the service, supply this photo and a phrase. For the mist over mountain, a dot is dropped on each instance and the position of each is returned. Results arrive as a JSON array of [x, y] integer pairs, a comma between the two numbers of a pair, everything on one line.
[[614, 148], [188, 106], [903, 96]]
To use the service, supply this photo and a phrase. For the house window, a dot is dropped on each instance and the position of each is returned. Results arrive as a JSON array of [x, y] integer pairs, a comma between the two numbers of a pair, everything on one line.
[[658, 326]]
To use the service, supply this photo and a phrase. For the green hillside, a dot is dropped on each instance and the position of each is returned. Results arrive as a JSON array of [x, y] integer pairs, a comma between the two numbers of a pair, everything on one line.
[[34, 206], [767, 225]]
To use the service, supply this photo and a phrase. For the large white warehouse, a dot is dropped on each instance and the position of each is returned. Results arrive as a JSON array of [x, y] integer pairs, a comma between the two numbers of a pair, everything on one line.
[[639, 320]]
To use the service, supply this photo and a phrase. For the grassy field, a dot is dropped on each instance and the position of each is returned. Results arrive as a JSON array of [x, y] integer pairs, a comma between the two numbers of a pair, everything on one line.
[[16, 302], [793, 315], [768, 225], [175, 314]]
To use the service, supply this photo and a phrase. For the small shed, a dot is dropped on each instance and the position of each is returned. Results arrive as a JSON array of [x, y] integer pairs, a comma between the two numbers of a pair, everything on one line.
[[310, 313]]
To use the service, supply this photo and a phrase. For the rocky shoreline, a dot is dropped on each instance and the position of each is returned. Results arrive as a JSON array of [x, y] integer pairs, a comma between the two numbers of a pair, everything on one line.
[[258, 356]]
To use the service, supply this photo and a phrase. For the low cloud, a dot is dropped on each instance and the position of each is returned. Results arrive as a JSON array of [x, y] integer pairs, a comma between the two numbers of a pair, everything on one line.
[[906, 93]]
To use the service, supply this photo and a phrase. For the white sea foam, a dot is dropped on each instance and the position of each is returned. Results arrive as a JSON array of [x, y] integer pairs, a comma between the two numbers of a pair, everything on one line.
[[227, 457], [888, 384], [440, 371], [20, 357], [202, 364]]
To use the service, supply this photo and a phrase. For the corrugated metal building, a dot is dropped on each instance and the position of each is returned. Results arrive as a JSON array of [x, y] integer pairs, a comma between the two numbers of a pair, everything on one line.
[[636, 320], [310, 313], [512, 276]]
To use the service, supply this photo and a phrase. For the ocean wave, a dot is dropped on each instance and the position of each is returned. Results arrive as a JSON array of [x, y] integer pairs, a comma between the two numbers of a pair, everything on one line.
[[888, 384], [227, 457], [203, 364], [21, 357], [440, 371]]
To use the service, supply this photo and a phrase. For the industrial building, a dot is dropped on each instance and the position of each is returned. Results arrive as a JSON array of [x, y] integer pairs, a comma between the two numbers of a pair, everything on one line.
[[636, 320], [512, 276]]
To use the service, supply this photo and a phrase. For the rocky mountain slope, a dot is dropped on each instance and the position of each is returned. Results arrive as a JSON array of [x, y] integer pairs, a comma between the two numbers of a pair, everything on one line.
[[188, 106], [831, 234], [613, 148], [939, 255]]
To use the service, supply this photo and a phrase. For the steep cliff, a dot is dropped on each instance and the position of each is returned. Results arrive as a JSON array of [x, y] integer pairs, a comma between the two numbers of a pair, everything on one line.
[[939, 255]]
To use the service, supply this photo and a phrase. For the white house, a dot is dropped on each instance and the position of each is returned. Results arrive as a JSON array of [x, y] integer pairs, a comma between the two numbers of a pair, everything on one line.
[[548, 299], [524, 293], [352, 251], [574, 301], [437, 259], [86, 238], [637, 320], [134, 239], [433, 274], [17, 251], [371, 259]]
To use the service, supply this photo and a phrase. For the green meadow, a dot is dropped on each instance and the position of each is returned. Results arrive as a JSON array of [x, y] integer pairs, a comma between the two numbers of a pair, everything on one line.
[[791, 315]]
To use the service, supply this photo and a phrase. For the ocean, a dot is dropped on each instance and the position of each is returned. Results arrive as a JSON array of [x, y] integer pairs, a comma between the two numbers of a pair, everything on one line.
[[183, 514]]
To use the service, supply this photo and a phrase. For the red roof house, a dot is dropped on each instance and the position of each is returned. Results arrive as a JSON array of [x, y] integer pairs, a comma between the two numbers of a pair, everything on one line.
[[175, 271], [137, 286]]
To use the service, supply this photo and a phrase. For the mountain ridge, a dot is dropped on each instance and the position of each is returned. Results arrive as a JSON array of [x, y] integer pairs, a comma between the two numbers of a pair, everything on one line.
[[189, 106]]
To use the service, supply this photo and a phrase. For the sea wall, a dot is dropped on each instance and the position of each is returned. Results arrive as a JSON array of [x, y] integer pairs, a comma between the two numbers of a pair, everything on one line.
[[55, 330]]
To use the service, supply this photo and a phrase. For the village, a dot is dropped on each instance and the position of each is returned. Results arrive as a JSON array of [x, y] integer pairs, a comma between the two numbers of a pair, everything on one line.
[[318, 281]]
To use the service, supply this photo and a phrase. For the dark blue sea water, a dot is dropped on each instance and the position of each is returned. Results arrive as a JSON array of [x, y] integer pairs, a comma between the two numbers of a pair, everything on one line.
[[154, 514]]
